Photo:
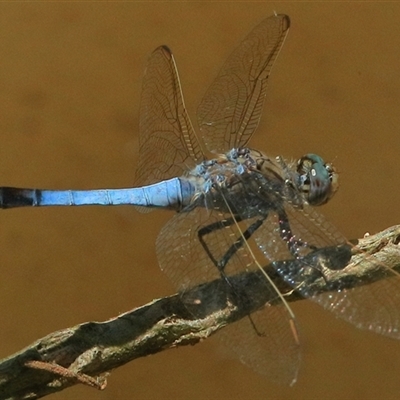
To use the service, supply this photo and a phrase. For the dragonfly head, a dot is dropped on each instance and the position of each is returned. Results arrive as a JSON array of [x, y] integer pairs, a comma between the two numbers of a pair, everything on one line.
[[317, 180]]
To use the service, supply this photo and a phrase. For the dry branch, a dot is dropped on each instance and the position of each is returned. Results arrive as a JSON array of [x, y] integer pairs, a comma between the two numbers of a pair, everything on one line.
[[86, 353]]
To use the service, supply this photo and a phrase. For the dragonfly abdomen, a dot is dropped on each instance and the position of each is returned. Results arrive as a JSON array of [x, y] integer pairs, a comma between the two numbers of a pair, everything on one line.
[[174, 193]]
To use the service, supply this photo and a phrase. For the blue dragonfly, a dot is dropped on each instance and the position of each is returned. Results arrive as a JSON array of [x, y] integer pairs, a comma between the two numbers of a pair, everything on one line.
[[231, 201]]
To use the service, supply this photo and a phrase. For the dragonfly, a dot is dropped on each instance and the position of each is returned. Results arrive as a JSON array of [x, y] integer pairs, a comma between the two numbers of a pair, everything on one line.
[[231, 200]]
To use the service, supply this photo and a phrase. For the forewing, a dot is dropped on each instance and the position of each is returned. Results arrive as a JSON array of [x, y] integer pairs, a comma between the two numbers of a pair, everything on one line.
[[167, 143], [231, 108], [374, 307]]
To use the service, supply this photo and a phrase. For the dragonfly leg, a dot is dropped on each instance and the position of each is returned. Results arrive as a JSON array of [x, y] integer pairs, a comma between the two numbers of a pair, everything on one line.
[[239, 242], [230, 252], [334, 259], [288, 237], [209, 229], [220, 264]]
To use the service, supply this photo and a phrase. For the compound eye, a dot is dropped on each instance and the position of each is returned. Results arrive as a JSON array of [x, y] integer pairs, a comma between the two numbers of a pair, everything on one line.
[[318, 181]]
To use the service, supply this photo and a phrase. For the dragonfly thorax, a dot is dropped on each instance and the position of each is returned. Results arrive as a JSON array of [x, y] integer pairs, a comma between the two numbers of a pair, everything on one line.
[[248, 172], [243, 180]]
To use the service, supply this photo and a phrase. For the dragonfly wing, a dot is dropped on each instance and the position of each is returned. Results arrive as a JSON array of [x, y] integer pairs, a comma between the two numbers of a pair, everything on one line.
[[323, 254], [265, 340], [168, 144], [264, 345], [231, 108], [374, 307]]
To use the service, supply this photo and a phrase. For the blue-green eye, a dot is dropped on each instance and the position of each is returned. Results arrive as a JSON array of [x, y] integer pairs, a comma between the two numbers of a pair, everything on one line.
[[317, 179]]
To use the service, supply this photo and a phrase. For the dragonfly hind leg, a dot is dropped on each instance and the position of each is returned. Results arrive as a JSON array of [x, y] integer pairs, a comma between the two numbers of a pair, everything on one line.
[[237, 244], [223, 261]]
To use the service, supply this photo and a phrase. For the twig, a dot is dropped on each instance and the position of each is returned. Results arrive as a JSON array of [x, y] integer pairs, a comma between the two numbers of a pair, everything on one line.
[[86, 353]]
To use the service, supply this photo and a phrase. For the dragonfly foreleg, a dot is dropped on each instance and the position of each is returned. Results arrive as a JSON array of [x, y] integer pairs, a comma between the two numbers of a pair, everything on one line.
[[295, 245]]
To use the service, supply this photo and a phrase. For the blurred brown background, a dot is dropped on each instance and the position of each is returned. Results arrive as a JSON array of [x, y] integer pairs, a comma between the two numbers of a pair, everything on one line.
[[70, 81]]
